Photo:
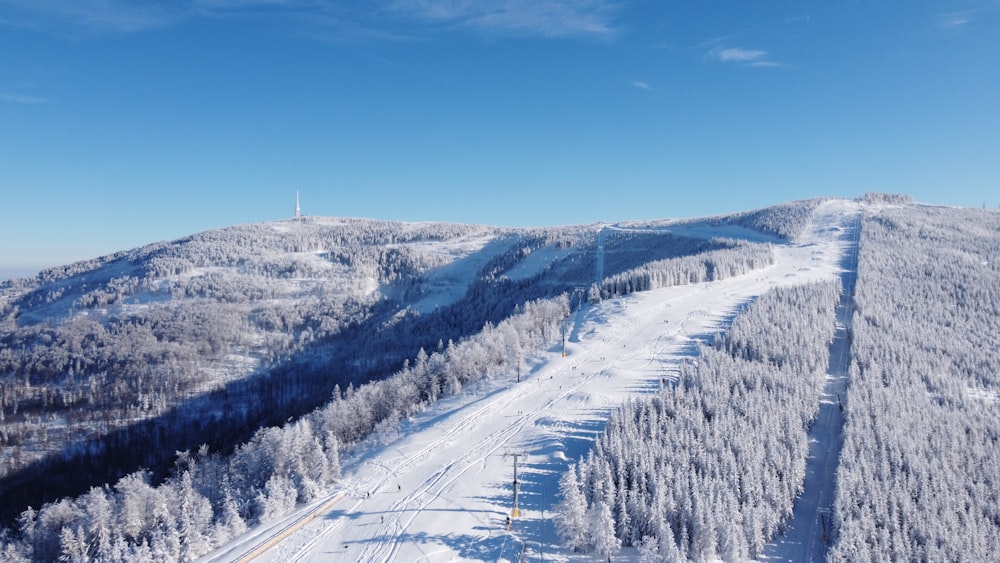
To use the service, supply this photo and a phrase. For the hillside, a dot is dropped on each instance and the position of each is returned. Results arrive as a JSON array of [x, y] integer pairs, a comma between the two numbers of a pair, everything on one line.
[[918, 476], [441, 487], [726, 402], [116, 363]]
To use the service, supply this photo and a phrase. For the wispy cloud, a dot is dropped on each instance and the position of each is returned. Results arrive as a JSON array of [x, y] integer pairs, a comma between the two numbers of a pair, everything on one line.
[[539, 18], [958, 19], [978, 13], [89, 16], [953, 20], [241, 4], [371, 20], [741, 56], [22, 99], [641, 85], [736, 55]]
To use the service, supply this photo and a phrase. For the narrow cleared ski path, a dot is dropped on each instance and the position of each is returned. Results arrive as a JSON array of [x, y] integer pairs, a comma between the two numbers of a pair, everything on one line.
[[443, 488], [809, 533], [602, 235]]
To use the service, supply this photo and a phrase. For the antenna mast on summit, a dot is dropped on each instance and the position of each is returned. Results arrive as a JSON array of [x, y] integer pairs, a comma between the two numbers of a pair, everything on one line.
[[298, 210]]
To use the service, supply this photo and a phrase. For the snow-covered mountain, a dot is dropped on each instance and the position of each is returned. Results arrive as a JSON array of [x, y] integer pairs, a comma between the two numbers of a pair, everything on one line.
[[670, 390], [206, 338]]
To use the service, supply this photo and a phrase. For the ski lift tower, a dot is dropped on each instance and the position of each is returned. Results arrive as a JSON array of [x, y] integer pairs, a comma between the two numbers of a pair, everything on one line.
[[515, 512]]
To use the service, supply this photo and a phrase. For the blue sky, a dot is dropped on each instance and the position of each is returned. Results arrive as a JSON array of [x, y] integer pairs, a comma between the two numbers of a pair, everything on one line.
[[125, 123]]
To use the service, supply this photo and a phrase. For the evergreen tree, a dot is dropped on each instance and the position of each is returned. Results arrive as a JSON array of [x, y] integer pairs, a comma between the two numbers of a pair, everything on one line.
[[601, 525], [571, 513]]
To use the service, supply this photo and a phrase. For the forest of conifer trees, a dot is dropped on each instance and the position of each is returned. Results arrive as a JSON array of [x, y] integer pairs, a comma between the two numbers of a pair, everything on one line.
[[918, 477], [711, 465]]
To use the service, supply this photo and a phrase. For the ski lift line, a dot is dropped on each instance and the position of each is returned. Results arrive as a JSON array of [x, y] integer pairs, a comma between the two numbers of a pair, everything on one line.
[[515, 510], [812, 506]]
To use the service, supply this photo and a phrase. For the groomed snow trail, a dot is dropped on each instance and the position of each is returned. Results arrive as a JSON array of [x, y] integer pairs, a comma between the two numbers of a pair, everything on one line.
[[809, 534], [442, 489]]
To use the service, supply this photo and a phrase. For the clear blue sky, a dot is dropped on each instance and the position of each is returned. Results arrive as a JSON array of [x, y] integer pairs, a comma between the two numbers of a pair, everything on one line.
[[129, 122]]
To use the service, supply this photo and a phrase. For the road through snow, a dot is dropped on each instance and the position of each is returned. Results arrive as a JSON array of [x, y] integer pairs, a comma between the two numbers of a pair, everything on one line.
[[443, 488]]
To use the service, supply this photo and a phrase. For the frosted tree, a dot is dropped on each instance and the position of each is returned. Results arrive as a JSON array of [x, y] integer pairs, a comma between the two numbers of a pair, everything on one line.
[[571, 512], [73, 545], [99, 517], [230, 524], [277, 499], [331, 446], [194, 518], [601, 525]]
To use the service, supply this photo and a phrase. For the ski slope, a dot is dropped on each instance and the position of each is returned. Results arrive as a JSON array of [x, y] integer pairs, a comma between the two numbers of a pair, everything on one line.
[[443, 488], [809, 533]]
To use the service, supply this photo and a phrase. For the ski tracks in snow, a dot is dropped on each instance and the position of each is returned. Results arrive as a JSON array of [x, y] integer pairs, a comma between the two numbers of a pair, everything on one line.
[[407, 509], [392, 529]]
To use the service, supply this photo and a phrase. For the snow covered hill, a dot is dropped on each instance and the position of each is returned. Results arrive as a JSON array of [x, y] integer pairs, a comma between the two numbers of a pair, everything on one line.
[[116, 363], [712, 388], [443, 486]]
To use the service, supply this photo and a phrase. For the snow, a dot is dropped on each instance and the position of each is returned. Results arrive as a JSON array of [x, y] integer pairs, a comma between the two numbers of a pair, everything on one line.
[[442, 489], [537, 261], [462, 259], [983, 394]]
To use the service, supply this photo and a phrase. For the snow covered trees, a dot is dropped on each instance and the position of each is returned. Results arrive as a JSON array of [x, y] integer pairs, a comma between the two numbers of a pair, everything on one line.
[[917, 479], [732, 260], [354, 414], [116, 363], [787, 220], [210, 498], [571, 512], [711, 466]]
